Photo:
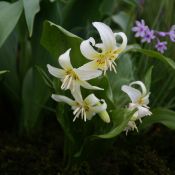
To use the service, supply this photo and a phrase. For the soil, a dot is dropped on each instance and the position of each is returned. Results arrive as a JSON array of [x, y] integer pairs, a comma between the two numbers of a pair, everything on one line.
[[149, 153]]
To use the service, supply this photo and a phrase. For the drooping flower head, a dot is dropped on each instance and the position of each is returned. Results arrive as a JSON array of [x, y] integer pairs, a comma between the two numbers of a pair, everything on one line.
[[86, 108], [139, 101], [72, 78], [161, 46], [109, 49]]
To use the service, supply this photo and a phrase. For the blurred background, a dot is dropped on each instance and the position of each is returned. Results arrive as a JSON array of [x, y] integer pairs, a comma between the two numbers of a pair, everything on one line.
[[31, 139]]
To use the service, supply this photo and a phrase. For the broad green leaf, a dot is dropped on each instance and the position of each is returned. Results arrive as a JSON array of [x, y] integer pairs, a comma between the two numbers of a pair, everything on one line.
[[148, 78], [3, 71], [106, 7], [124, 75], [34, 96], [45, 77], [160, 115], [122, 19], [155, 54], [31, 8], [8, 55], [9, 15], [57, 40], [120, 118]]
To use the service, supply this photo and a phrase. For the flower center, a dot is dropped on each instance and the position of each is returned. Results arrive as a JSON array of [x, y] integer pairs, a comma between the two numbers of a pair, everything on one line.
[[68, 81], [140, 101], [106, 60], [81, 110]]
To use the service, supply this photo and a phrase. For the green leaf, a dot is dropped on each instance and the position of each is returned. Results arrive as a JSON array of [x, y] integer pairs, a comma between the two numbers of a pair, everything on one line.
[[122, 19], [155, 54], [160, 115], [3, 71], [34, 96], [46, 79], [57, 40], [148, 78], [31, 8], [9, 15], [124, 75], [120, 118]]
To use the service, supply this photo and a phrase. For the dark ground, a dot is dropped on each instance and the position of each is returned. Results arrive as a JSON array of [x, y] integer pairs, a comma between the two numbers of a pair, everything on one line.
[[150, 153]]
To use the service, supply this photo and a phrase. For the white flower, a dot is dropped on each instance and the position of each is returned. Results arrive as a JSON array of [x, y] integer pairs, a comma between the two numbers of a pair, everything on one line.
[[73, 78], [139, 101], [109, 50], [86, 108]]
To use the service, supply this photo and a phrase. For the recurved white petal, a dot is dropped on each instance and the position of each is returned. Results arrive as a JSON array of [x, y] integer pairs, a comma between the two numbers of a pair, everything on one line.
[[87, 74], [87, 50], [146, 99], [58, 73], [143, 88], [86, 85], [133, 93], [124, 40], [91, 100], [99, 108], [61, 98], [106, 34], [64, 60]]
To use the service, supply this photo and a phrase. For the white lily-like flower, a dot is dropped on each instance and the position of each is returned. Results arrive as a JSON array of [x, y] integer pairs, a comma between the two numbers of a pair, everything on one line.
[[109, 49], [86, 108], [139, 101], [73, 78]]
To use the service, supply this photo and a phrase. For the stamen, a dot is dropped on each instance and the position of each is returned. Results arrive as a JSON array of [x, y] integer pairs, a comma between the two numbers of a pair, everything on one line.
[[69, 82]]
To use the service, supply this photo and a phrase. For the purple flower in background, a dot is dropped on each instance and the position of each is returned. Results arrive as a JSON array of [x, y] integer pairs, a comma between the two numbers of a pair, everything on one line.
[[172, 33], [149, 35], [163, 34], [140, 28], [161, 46]]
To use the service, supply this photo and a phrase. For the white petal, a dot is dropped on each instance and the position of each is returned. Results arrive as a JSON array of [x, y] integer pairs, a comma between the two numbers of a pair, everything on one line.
[[76, 93], [144, 91], [91, 100], [64, 60], [58, 73], [146, 99], [61, 98], [89, 115], [87, 74], [124, 41], [106, 34], [99, 108], [133, 93], [142, 111], [86, 85], [87, 50], [92, 65]]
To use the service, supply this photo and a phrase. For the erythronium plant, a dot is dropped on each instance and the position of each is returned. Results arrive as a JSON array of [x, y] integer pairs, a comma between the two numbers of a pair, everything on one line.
[[139, 101], [109, 49], [86, 105], [86, 108], [74, 78]]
